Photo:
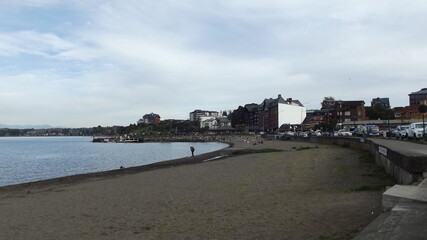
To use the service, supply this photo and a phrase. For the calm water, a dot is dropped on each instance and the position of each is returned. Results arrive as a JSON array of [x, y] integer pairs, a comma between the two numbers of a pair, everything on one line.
[[30, 159]]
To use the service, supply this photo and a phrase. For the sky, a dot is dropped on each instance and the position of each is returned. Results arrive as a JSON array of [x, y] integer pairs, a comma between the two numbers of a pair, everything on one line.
[[79, 63]]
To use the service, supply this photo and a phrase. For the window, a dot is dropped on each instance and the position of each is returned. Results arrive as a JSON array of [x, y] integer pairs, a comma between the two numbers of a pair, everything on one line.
[[347, 113]]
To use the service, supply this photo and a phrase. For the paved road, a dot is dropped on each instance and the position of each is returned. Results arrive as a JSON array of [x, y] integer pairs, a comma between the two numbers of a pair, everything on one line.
[[403, 147]]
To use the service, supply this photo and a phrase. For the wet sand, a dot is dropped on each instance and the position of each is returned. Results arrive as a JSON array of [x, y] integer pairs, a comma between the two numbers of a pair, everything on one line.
[[307, 191]]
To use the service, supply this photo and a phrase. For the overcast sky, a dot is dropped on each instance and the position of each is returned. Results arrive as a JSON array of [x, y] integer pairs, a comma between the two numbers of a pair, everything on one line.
[[80, 63]]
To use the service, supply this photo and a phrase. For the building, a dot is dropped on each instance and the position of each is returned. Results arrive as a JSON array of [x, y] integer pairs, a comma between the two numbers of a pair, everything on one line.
[[415, 98], [196, 114], [213, 123], [250, 119], [273, 113], [408, 113], [350, 111], [207, 122], [385, 102], [314, 118], [222, 122], [151, 118]]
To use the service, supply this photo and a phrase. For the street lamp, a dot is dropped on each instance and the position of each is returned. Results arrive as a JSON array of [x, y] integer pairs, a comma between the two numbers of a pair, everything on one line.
[[423, 109]]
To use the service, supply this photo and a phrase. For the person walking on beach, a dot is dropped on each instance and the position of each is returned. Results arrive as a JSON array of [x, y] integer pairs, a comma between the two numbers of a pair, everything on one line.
[[192, 151]]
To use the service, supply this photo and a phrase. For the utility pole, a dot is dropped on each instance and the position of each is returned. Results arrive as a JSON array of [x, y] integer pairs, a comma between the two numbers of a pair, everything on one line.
[[423, 109]]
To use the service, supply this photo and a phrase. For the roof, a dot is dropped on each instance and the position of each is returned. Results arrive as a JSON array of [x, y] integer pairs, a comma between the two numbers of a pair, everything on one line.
[[412, 108], [297, 102], [151, 115], [270, 102], [423, 91], [352, 103], [253, 107], [385, 101], [224, 120]]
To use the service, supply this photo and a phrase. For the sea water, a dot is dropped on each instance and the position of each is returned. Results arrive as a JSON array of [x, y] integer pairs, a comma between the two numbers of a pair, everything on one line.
[[28, 159]]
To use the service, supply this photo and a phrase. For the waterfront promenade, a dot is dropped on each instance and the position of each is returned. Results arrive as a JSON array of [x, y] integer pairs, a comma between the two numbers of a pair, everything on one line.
[[403, 147], [306, 191]]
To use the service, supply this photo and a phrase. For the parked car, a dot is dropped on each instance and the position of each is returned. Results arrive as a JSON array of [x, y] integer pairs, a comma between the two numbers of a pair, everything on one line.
[[401, 131], [303, 134], [344, 133], [359, 131], [415, 130], [317, 133], [290, 133], [393, 132], [372, 130]]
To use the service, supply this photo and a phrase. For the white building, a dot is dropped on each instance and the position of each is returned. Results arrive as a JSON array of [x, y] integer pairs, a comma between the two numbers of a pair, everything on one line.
[[209, 122], [291, 113], [274, 113], [197, 114]]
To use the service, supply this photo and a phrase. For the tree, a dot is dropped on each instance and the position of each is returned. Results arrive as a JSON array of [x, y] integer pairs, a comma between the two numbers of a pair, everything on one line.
[[238, 116], [379, 112]]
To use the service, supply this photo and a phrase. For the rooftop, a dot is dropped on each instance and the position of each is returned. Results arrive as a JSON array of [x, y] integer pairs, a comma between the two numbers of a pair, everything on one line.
[[423, 91]]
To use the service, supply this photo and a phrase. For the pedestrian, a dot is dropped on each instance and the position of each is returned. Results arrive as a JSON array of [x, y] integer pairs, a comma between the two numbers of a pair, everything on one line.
[[192, 151], [364, 132]]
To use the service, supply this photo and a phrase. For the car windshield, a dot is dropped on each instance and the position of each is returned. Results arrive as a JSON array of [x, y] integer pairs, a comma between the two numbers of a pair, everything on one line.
[[419, 125], [404, 127]]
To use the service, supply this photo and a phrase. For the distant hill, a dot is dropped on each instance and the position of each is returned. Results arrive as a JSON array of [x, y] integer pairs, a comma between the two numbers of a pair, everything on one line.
[[27, 126]]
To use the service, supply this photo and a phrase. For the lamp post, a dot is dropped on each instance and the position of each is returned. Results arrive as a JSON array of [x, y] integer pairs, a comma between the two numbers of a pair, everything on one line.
[[423, 109], [424, 129], [389, 115]]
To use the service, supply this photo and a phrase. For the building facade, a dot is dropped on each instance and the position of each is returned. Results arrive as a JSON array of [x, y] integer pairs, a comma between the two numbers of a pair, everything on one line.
[[213, 123], [382, 101], [273, 113], [350, 111], [408, 112], [416, 98], [151, 118], [197, 114], [250, 119]]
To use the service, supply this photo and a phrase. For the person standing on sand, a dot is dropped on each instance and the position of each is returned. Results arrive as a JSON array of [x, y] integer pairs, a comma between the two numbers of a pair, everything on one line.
[[192, 151]]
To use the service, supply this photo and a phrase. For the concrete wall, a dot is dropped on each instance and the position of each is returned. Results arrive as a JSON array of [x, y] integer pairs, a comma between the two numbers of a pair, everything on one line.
[[404, 169]]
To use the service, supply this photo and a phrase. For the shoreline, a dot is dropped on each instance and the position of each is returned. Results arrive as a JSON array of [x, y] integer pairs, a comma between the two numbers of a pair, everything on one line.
[[77, 178]]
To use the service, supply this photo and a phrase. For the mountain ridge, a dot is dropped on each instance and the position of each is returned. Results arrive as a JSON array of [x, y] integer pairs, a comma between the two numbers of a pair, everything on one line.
[[16, 126]]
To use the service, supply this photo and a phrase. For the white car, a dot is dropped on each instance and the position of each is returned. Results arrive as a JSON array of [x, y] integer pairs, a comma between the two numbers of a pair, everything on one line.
[[290, 133], [344, 133], [401, 131], [415, 130], [318, 133]]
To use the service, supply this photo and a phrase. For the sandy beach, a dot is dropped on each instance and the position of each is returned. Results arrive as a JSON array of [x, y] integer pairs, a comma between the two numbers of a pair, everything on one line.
[[306, 191]]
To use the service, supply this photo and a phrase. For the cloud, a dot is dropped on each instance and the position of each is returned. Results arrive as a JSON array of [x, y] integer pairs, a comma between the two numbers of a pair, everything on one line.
[[46, 45], [293, 47], [28, 3], [123, 59]]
